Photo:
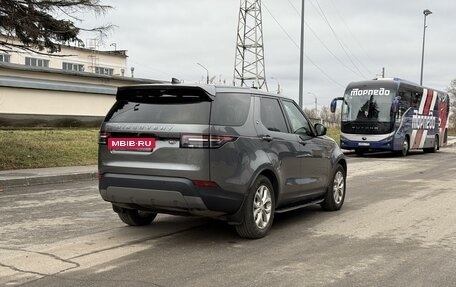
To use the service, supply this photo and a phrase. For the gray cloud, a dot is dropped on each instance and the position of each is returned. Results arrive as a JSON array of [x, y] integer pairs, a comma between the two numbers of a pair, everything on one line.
[[166, 38]]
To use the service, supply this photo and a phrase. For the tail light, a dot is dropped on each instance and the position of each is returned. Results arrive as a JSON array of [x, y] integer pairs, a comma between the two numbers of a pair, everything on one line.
[[205, 141], [103, 139]]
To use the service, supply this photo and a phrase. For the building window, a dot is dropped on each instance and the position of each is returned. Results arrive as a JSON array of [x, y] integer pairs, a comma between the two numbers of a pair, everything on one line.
[[35, 62], [4, 58], [104, 71], [72, 67]]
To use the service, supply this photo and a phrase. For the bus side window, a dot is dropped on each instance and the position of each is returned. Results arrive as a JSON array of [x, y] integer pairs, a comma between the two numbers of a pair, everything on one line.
[[404, 104], [416, 99]]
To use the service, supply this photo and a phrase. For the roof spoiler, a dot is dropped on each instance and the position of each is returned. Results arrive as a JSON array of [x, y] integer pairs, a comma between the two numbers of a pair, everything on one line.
[[204, 92]]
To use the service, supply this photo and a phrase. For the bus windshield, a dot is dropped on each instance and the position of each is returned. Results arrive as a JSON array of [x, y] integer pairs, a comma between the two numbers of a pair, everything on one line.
[[367, 105]]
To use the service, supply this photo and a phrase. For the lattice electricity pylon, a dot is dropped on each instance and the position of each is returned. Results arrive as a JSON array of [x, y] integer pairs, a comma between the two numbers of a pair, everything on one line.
[[249, 62]]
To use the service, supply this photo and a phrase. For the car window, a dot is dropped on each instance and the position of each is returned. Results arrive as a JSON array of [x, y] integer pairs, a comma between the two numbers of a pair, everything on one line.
[[169, 110], [272, 116], [230, 109], [299, 123]]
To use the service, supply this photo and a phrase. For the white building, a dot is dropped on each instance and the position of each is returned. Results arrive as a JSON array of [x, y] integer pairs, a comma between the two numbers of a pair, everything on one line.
[[75, 86]]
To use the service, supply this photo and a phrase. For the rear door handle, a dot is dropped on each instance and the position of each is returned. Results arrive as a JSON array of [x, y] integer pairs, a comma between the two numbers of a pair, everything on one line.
[[267, 138]]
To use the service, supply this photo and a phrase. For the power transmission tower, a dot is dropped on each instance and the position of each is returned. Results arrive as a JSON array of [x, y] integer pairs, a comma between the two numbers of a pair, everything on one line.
[[249, 62]]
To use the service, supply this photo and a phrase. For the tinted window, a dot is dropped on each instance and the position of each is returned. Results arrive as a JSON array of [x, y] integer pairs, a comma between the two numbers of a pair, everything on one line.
[[167, 109], [405, 101], [272, 116], [230, 109], [299, 123]]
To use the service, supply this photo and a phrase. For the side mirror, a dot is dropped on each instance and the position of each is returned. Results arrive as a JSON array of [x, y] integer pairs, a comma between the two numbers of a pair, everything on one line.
[[321, 129], [333, 105]]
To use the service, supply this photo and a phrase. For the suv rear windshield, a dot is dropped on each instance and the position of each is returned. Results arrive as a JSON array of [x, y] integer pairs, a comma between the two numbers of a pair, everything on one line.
[[227, 109], [165, 109]]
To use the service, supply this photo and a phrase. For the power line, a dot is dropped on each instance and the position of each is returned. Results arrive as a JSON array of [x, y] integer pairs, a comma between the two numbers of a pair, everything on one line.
[[323, 44], [353, 36], [297, 46], [329, 50], [323, 15], [294, 7], [281, 27]]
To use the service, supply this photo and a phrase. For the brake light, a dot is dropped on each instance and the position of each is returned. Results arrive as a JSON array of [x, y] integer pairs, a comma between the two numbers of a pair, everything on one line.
[[103, 139], [205, 141]]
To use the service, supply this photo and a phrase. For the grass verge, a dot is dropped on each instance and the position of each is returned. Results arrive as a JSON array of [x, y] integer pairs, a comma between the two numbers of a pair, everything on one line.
[[22, 149], [334, 133]]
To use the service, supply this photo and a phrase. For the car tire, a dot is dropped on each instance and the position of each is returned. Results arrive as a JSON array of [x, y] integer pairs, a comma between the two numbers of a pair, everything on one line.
[[405, 147], [335, 196], [258, 210], [135, 217]]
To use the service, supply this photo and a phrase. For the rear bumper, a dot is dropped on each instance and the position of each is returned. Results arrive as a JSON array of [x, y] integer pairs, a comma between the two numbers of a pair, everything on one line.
[[166, 194]]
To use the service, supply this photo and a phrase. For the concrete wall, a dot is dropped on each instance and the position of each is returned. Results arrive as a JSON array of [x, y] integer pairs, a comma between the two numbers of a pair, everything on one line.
[[49, 98], [47, 102]]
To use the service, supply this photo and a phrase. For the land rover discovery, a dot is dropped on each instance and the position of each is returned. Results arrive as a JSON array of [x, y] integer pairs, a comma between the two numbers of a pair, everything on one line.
[[237, 154]]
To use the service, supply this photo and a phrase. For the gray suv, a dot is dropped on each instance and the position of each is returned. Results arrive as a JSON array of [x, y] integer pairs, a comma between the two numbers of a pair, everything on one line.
[[236, 154]]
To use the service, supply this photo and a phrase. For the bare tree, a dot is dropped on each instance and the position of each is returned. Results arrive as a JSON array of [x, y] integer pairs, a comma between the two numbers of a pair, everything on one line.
[[311, 113], [43, 24], [452, 91], [325, 114]]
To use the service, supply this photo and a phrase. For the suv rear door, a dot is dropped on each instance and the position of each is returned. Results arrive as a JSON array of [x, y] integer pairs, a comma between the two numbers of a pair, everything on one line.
[[177, 117]]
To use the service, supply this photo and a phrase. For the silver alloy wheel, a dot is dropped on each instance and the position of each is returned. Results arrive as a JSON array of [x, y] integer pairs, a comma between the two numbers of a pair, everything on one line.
[[405, 147], [262, 207], [338, 187]]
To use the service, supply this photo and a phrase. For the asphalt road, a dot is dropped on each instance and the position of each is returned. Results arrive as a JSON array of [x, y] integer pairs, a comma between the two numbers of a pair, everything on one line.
[[397, 228]]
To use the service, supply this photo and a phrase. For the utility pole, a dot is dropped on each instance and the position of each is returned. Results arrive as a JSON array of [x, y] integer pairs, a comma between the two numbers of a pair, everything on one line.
[[383, 72], [249, 59], [301, 60]]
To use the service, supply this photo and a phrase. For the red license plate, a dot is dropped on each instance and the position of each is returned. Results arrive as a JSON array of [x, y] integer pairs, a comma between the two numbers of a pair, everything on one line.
[[135, 144]]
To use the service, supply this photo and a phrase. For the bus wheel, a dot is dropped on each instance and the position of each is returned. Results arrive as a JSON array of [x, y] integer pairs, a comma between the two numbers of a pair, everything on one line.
[[405, 147], [434, 148]]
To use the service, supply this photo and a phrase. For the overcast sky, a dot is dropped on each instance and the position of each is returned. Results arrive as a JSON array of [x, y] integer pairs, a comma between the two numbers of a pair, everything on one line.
[[166, 38]]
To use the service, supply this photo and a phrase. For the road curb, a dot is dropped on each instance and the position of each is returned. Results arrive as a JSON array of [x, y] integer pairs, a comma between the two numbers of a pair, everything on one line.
[[48, 179]]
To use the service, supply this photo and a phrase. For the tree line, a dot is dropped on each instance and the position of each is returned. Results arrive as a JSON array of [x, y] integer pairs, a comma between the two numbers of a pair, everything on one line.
[[452, 91]]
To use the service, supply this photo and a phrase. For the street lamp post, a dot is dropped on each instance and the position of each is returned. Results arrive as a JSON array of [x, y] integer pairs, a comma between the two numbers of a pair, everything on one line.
[[207, 72], [278, 84], [426, 13]]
